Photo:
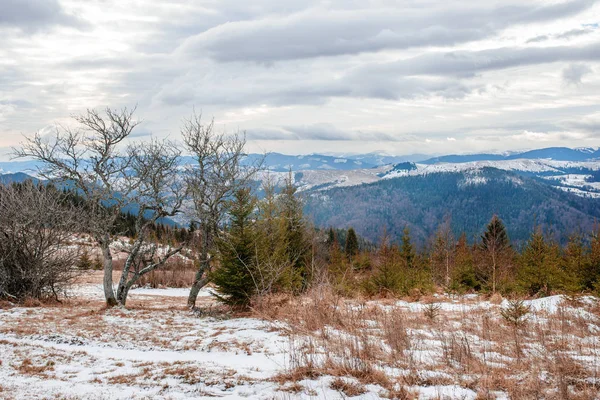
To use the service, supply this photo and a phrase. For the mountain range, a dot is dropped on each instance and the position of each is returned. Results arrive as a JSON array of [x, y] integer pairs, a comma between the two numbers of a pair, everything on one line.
[[555, 188]]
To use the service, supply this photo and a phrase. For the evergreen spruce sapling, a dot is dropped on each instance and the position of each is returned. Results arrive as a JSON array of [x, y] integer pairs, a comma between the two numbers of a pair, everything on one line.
[[540, 271], [351, 248], [294, 236], [593, 266], [464, 276], [577, 262], [407, 252], [235, 279], [388, 276]]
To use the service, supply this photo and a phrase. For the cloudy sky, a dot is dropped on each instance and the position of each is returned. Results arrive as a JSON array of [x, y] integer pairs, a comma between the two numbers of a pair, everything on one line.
[[301, 76]]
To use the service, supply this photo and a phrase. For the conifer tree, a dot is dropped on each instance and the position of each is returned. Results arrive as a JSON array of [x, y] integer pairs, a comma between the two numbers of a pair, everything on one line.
[[388, 276], [495, 245], [576, 261], [407, 252], [539, 266], [339, 270], [464, 276], [235, 278], [351, 248], [593, 267], [331, 236], [294, 235], [272, 255]]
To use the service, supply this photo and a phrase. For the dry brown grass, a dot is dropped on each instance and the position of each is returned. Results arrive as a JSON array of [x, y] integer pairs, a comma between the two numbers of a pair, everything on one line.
[[177, 273], [542, 356], [28, 368], [348, 388]]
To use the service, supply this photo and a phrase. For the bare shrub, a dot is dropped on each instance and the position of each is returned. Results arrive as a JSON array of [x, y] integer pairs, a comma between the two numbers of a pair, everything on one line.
[[36, 222]]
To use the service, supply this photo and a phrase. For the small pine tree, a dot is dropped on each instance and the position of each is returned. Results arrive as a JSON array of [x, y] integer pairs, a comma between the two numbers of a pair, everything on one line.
[[407, 252], [495, 245], [272, 262], [593, 267], [351, 248], [84, 262], [577, 262], [463, 276], [331, 236], [234, 278], [388, 277], [294, 236], [539, 266], [339, 270]]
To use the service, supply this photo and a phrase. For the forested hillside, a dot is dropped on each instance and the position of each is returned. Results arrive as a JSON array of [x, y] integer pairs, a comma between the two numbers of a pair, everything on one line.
[[422, 203]]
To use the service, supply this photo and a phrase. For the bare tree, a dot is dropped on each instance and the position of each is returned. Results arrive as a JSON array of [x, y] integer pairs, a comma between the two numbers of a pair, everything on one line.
[[36, 225], [160, 193], [217, 173], [89, 159]]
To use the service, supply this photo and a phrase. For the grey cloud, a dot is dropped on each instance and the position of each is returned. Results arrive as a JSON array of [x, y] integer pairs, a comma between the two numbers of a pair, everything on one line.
[[323, 132], [320, 32], [139, 134], [17, 103], [565, 35], [573, 74], [33, 15], [588, 123], [467, 64], [538, 39], [269, 134], [319, 132], [574, 33], [237, 91]]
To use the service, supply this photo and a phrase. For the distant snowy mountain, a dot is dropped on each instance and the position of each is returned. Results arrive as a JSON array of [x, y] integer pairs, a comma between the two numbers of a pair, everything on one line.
[[382, 158], [11, 167], [278, 162], [550, 153], [566, 175], [17, 177]]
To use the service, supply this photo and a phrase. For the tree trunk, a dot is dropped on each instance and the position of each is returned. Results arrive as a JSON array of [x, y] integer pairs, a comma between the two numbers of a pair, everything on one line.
[[493, 273], [447, 269], [200, 280], [109, 294], [123, 291]]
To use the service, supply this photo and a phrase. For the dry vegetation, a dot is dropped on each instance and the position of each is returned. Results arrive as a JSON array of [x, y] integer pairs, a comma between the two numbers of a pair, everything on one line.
[[177, 273], [460, 347], [318, 345]]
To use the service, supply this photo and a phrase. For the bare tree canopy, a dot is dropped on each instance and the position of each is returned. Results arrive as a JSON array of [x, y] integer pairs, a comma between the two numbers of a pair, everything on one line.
[[160, 193]]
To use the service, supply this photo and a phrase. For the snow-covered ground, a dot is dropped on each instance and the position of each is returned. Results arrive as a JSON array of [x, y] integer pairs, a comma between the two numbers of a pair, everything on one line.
[[306, 348]]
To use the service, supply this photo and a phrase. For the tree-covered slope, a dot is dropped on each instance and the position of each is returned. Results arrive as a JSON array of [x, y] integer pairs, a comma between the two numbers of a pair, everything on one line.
[[471, 198]]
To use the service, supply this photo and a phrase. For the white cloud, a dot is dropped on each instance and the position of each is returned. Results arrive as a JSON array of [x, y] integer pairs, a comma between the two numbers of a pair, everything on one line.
[[305, 76]]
